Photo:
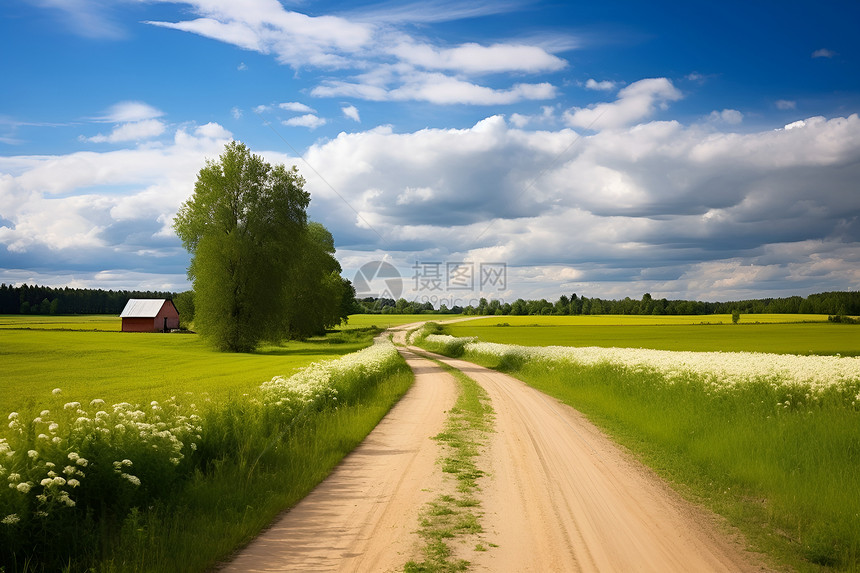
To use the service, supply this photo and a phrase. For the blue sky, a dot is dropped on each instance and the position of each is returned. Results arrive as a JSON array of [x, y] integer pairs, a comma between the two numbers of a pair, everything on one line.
[[603, 148]]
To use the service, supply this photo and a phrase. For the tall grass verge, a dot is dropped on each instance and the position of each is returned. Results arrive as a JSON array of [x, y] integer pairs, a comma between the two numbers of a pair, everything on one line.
[[777, 453], [177, 486]]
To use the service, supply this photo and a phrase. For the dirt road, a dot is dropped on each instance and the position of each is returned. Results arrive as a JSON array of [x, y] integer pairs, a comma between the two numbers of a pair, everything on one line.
[[559, 496]]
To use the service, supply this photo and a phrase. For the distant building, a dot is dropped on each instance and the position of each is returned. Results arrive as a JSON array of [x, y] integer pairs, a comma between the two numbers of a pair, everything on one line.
[[149, 315]]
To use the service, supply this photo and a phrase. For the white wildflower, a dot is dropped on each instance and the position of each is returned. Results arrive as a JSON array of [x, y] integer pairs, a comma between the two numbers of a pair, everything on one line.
[[56, 391], [133, 480], [10, 519], [33, 454], [97, 402], [71, 406], [13, 416], [24, 487], [74, 483]]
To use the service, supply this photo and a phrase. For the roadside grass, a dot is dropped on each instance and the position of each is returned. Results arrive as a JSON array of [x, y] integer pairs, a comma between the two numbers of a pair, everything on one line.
[[141, 367], [782, 467], [198, 482], [449, 518], [215, 515], [821, 338]]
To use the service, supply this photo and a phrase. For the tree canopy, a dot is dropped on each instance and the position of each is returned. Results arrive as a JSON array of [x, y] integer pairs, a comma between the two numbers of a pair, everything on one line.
[[246, 229]]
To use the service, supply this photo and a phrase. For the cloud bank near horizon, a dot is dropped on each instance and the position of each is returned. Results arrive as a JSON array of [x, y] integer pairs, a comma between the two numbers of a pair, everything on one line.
[[623, 207]]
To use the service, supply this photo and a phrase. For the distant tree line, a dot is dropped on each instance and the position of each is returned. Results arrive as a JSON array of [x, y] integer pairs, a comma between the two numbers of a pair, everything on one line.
[[830, 303], [27, 299]]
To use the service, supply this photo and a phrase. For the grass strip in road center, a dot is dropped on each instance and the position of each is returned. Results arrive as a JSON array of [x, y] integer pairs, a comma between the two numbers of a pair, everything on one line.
[[454, 516]]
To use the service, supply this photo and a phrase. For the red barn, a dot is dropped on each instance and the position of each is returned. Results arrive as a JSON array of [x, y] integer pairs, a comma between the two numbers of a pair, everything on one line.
[[149, 315]]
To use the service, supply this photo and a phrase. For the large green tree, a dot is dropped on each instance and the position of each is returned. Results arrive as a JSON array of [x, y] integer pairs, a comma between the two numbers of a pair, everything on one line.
[[316, 295], [245, 227]]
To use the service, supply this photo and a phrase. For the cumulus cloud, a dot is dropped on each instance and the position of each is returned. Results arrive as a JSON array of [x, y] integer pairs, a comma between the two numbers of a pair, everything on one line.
[[82, 213], [308, 120], [729, 116], [296, 107], [130, 111], [655, 206], [436, 88], [135, 121], [635, 102], [134, 131], [351, 112], [478, 59], [641, 207], [605, 85]]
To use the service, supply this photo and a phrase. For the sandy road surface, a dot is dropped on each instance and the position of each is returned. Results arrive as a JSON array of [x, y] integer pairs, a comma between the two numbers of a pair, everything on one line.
[[562, 497], [559, 496], [363, 517]]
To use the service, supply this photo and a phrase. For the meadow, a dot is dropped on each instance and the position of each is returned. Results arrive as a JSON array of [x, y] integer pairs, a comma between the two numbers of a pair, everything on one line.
[[782, 334], [150, 452], [770, 441], [89, 358]]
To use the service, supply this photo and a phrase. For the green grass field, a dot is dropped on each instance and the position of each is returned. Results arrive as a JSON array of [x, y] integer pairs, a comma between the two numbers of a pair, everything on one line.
[[87, 357], [389, 320], [779, 334]]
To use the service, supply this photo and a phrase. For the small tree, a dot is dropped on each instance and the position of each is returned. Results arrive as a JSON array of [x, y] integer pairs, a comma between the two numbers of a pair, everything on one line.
[[736, 316]]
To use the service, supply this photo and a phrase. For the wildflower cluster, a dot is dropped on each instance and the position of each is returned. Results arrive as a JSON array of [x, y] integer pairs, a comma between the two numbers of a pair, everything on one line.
[[65, 470], [322, 382], [72, 454], [810, 375]]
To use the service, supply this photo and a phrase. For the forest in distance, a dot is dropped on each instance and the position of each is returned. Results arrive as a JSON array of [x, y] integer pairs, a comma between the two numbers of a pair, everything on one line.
[[840, 304], [32, 299]]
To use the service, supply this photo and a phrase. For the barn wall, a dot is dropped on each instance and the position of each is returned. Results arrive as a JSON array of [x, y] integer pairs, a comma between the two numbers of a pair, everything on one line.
[[137, 325], [168, 311]]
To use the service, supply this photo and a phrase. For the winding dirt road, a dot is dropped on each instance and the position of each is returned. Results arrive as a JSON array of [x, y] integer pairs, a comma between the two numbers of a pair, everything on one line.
[[559, 496]]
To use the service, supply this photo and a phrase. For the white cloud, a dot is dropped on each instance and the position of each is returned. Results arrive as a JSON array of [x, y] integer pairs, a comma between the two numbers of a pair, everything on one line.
[[236, 113], [308, 120], [91, 211], [785, 104], [643, 206], [242, 67], [334, 42], [605, 85], [130, 111], [439, 89], [477, 59], [296, 107], [635, 102], [134, 131], [729, 116], [546, 117], [351, 112], [265, 26], [823, 53]]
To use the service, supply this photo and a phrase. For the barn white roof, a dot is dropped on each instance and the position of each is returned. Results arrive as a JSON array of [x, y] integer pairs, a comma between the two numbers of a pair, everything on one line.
[[142, 307]]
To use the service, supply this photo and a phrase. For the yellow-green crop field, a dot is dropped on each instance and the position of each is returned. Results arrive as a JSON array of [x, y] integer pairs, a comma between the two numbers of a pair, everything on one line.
[[87, 357], [773, 333]]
